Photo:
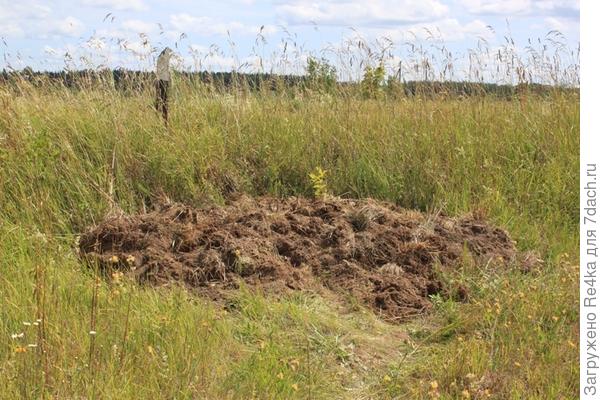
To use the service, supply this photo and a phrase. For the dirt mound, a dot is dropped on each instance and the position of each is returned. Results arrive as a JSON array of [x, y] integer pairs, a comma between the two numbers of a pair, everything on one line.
[[381, 254]]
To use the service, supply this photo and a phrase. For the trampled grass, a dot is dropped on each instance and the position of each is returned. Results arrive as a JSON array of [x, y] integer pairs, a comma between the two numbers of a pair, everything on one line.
[[69, 157]]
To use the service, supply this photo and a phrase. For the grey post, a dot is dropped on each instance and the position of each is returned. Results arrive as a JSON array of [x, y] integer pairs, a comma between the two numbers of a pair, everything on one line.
[[163, 82]]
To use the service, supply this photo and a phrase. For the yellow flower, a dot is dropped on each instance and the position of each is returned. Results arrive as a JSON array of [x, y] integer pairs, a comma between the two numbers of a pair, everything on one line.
[[294, 363], [116, 276], [517, 364], [295, 386], [114, 259], [20, 349], [465, 394], [434, 385], [387, 378], [280, 375]]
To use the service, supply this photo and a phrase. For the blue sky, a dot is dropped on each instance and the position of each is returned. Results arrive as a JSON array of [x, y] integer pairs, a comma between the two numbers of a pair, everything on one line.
[[252, 34]]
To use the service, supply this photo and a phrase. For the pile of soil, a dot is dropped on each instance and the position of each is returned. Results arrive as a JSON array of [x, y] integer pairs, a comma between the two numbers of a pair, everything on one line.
[[378, 253]]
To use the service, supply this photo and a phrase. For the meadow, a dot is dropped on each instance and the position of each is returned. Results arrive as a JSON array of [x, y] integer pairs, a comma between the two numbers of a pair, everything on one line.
[[69, 157]]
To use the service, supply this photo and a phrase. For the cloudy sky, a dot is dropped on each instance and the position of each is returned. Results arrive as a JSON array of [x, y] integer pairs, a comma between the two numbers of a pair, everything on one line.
[[245, 33]]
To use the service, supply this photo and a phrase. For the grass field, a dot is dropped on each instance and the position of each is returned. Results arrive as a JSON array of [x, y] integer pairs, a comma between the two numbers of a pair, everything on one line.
[[69, 157]]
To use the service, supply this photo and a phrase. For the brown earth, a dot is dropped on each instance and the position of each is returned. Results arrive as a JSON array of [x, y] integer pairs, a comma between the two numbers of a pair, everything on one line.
[[382, 255]]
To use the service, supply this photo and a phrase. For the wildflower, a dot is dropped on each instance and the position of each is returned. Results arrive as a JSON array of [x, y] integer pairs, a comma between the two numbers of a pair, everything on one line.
[[294, 363], [295, 386], [130, 259], [517, 364], [434, 385], [554, 318], [465, 394], [92, 333], [114, 259], [116, 276], [280, 375], [17, 335], [470, 376], [26, 323], [387, 378], [20, 349], [32, 345]]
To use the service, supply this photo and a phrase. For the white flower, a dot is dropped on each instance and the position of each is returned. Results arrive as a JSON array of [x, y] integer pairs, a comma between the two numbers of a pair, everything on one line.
[[17, 335], [92, 333]]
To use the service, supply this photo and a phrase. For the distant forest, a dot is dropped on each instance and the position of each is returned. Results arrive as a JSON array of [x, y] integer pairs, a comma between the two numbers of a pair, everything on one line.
[[129, 81]]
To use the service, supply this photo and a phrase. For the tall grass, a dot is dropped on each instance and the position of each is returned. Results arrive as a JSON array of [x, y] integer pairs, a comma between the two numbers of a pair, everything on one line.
[[69, 157]]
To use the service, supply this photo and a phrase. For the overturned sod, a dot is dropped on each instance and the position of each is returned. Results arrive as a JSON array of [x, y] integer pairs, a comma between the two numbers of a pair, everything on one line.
[[388, 261]]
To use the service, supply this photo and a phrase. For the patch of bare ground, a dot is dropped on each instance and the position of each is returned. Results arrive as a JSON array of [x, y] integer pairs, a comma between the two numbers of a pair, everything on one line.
[[380, 254]]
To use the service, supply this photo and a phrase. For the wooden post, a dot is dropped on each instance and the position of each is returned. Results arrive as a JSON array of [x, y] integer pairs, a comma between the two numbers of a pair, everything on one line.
[[163, 83]]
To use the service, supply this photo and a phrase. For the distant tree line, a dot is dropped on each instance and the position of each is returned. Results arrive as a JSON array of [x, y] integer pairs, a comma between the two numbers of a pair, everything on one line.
[[318, 78]]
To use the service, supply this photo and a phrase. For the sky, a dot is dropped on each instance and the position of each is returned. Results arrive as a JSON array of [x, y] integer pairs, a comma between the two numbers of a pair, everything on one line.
[[278, 36]]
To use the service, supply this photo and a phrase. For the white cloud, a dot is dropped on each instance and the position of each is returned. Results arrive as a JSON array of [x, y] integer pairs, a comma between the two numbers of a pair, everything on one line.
[[69, 26], [32, 19], [498, 7], [522, 7], [203, 25], [25, 9], [361, 13], [138, 26], [186, 23], [563, 25], [557, 5], [14, 16], [139, 48], [51, 50], [447, 30], [118, 5]]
